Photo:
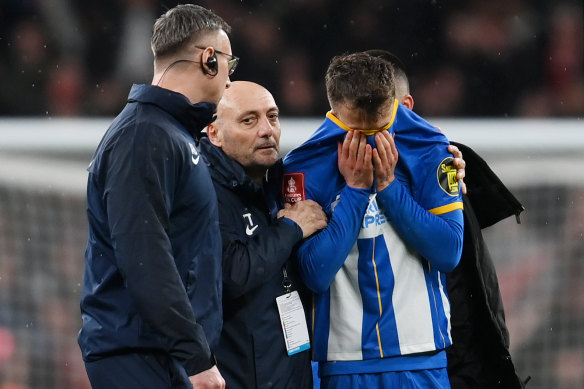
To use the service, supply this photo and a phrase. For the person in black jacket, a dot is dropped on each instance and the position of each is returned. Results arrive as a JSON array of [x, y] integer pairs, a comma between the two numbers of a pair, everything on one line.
[[479, 356], [258, 239], [151, 291]]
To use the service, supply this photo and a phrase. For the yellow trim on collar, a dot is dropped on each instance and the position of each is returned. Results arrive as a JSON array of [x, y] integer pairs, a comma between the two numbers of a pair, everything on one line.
[[342, 125], [446, 208]]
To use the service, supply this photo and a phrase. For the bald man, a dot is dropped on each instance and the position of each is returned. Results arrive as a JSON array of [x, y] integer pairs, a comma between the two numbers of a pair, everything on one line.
[[261, 286]]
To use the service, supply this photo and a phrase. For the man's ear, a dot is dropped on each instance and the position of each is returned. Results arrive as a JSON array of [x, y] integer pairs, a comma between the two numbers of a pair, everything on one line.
[[214, 134], [408, 101]]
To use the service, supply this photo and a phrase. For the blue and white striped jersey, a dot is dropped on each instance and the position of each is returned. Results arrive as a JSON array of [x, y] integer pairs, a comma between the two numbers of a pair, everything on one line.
[[377, 270]]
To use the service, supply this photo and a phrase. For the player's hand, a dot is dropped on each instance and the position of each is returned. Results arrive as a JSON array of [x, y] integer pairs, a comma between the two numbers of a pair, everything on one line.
[[307, 214], [355, 162], [459, 164], [385, 158], [208, 379]]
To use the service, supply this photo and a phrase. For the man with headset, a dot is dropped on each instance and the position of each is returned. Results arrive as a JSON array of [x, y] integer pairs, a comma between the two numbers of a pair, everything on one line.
[[151, 296]]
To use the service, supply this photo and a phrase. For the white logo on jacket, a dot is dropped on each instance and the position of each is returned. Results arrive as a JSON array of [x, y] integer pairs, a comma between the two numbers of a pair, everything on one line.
[[195, 154], [249, 228]]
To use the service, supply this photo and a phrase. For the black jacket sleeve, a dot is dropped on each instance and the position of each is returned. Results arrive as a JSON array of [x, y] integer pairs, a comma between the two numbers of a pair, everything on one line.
[[249, 261], [479, 356]]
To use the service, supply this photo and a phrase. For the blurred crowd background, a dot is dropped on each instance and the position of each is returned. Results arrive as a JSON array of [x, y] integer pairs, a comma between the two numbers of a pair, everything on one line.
[[479, 58], [466, 59]]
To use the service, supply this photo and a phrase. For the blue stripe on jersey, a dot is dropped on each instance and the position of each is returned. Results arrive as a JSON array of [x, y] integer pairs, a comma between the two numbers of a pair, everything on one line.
[[387, 323], [380, 333], [369, 285], [437, 310], [443, 317]]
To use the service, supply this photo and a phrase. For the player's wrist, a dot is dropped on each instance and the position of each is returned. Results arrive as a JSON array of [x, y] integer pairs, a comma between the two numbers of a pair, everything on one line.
[[382, 184]]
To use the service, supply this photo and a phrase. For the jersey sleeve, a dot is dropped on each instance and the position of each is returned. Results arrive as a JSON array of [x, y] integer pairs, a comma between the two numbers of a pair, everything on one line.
[[439, 192], [336, 240], [438, 238], [317, 177], [425, 166], [424, 203]]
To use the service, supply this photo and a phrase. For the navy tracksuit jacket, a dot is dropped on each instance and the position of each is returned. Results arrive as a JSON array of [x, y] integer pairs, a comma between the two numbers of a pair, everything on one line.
[[256, 247], [152, 278]]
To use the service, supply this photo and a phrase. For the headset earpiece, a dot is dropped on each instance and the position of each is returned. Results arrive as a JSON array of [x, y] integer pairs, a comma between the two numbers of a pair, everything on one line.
[[212, 64]]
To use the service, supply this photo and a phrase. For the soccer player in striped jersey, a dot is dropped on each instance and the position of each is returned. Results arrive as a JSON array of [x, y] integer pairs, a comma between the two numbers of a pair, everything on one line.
[[479, 357], [380, 315]]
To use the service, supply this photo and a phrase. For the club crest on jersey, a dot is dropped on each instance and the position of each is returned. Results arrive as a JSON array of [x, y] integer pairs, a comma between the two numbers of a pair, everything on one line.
[[293, 187], [446, 175]]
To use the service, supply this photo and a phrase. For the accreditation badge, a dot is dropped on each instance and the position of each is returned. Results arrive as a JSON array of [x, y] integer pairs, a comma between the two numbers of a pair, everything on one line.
[[293, 322]]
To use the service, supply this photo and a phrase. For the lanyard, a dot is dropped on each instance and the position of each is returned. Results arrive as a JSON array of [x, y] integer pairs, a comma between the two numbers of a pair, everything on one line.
[[286, 281]]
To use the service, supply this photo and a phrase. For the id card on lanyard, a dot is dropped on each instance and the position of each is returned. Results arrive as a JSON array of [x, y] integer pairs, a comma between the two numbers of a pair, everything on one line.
[[292, 318]]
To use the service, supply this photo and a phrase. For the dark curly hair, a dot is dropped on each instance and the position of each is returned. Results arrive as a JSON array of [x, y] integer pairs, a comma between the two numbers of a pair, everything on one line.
[[365, 81]]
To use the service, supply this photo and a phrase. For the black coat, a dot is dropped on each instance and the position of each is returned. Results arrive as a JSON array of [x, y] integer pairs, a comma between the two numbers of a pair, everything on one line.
[[152, 275], [256, 247], [479, 357]]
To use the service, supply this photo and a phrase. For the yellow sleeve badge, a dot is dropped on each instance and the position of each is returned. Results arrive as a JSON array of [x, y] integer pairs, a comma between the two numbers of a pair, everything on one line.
[[446, 175]]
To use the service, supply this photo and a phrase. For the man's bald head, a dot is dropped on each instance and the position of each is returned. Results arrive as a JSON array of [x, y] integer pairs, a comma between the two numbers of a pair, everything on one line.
[[242, 94], [247, 127]]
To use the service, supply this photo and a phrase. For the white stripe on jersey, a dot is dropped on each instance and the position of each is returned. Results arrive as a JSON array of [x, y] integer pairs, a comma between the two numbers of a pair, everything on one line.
[[346, 312], [410, 296], [445, 304]]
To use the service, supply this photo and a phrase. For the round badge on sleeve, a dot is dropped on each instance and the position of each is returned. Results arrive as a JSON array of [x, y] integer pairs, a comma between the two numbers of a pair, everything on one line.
[[446, 174]]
